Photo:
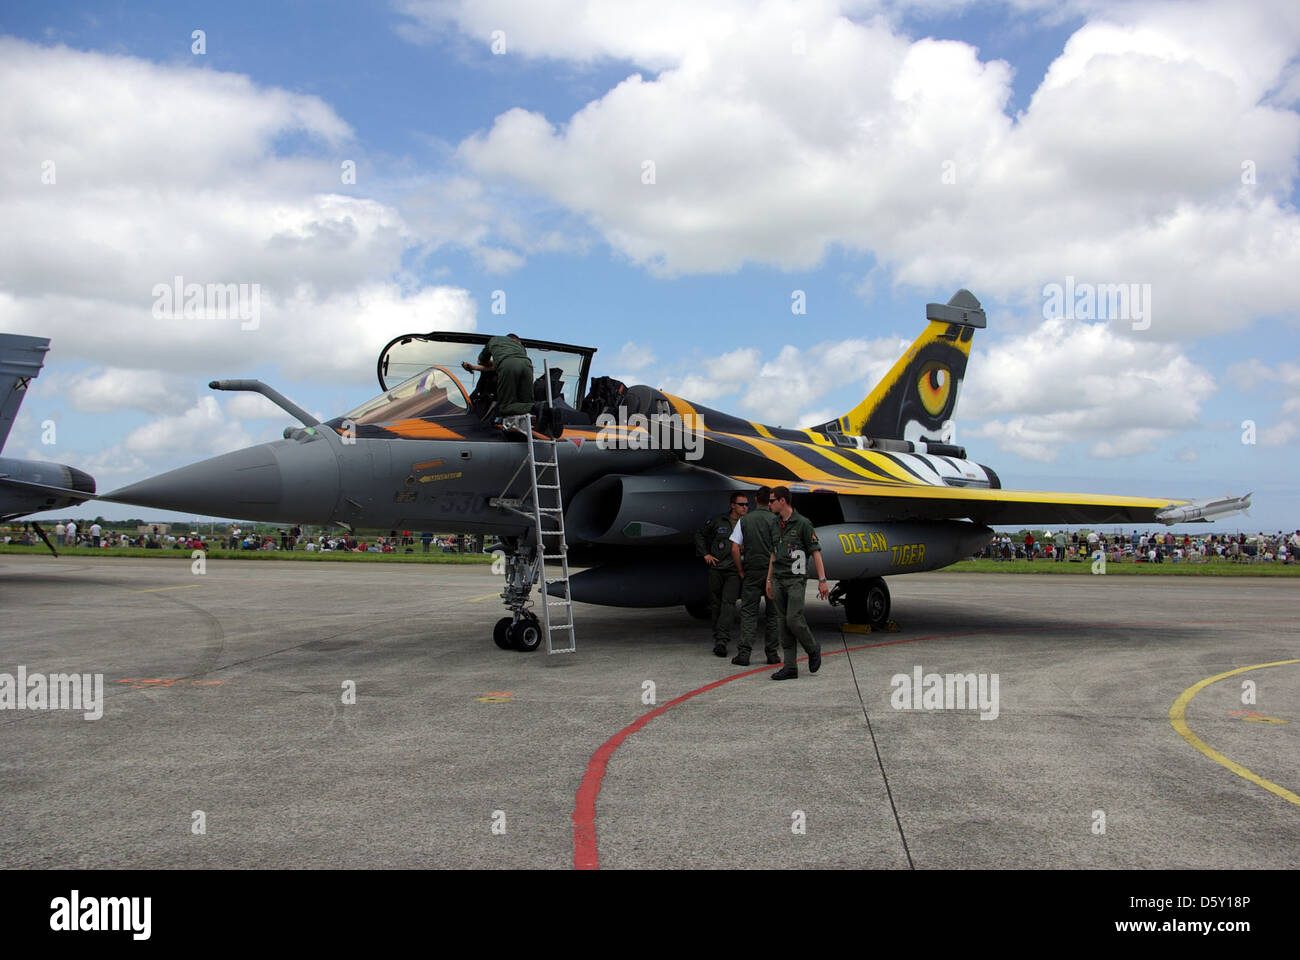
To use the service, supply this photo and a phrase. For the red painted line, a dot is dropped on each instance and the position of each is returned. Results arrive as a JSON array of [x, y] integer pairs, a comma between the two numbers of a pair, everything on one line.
[[584, 806], [585, 856]]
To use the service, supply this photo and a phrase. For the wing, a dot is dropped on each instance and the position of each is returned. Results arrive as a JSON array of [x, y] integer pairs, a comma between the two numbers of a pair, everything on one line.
[[906, 501]]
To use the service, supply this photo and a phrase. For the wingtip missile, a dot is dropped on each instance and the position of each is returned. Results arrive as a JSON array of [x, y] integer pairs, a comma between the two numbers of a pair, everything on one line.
[[1203, 509]]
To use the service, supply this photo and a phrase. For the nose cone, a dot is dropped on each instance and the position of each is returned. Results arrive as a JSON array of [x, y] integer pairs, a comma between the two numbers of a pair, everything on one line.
[[281, 482], [286, 481], [242, 484]]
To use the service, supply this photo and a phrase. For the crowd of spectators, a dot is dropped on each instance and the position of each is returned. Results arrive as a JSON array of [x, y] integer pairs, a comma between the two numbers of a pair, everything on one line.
[[92, 535], [1145, 547], [1042, 545]]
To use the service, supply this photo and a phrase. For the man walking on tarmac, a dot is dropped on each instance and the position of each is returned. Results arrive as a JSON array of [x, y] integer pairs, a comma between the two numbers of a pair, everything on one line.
[[507, 358], [751, 547], [787, 577], [713, 543]]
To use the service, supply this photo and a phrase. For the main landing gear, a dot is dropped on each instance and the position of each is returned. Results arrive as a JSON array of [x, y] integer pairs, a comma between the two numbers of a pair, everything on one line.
[[865, 601]]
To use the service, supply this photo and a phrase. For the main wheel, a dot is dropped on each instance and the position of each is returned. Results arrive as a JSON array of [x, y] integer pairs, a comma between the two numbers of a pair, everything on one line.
[[501, 633], [526, 635], [867, 601]]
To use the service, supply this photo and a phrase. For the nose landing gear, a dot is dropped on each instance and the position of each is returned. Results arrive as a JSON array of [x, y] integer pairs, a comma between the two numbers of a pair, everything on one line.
[[522, 630]]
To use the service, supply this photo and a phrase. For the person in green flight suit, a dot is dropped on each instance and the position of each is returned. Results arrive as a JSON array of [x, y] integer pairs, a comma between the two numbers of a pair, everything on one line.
[[787, 575], [507, 358], [751, 547], [713, 544]]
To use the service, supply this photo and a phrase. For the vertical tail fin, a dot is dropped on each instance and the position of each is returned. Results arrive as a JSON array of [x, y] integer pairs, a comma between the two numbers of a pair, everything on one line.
[[916, 399], [20, 361]]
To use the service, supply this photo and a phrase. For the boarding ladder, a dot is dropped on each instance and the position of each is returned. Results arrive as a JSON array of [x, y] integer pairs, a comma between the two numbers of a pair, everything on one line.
[[542, 503]]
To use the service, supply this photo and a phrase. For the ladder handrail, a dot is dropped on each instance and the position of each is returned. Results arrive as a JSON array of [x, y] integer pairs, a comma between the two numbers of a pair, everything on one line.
[[555, 513]]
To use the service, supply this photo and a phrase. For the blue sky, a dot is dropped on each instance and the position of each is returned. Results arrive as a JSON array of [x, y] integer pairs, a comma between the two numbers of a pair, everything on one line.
[[796, 147]]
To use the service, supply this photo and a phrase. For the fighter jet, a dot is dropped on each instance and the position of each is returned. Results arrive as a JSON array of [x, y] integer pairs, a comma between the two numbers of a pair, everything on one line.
[[641, 470], [31, 486]]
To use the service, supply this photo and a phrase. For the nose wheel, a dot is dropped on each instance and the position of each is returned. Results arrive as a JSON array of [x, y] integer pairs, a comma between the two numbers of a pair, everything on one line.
[[524, 634], [501, 633]]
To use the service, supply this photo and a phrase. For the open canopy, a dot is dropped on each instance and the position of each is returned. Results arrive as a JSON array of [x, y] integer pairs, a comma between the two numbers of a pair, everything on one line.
[[434, 392], [412, 354]]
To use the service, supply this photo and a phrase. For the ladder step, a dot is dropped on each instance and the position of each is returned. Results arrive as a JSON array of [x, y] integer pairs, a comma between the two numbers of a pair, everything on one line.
[[548, 486], [553, 556], [561, 626], [559, 603], [549, 509]]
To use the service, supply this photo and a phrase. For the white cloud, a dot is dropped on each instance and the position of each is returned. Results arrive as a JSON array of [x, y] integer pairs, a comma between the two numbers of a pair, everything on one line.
[[723, 375], [814, 418], [190, 180], [253, 406], [1248, 374], [1251, 374], [634, 356], [796, 378], [1278, 435], [1127, 443], [1067, 381], [101, 390], [781, 390], [647, 31], [1132, 147], [205, 429]]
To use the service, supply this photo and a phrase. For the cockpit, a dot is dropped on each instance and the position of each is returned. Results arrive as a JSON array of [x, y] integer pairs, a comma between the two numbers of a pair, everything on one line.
[[414, 354], [428, 393], [432, 395]]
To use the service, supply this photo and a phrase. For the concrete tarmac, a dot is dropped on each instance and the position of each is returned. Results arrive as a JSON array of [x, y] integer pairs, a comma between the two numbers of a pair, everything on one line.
[[224, 708]]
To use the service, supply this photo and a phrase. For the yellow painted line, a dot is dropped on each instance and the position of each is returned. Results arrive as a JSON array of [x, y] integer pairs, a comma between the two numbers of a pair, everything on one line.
[[188, 586], [761, 430], [486, 596], [1178, 719]]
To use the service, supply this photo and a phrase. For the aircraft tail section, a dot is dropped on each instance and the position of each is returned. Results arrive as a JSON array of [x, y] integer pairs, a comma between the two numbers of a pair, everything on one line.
[[916, 399], [21, 359]]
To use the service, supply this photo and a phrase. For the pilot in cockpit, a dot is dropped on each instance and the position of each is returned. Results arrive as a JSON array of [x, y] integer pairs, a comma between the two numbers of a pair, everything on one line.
[[508, 360]]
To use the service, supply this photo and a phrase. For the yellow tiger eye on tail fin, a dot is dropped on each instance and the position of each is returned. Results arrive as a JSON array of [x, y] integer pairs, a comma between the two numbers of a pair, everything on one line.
[[916, 400]]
